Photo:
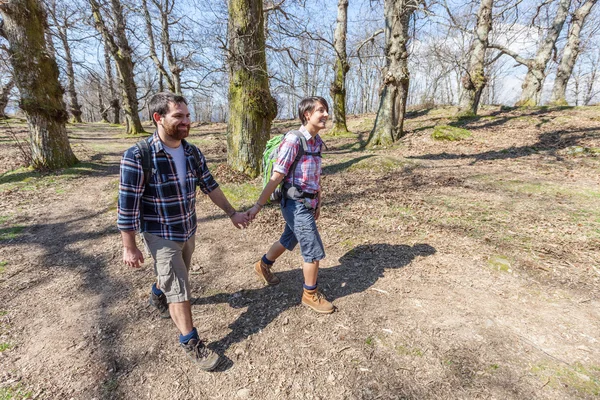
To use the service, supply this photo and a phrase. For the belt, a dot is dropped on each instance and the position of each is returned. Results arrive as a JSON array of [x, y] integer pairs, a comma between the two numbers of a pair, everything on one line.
[[310, 195]]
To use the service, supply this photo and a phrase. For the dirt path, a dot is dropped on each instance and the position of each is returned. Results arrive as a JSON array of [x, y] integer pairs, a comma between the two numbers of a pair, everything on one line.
[[460, 270]]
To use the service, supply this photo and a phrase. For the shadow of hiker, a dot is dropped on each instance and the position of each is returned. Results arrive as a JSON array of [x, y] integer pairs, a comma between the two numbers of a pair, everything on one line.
[[358, 270]]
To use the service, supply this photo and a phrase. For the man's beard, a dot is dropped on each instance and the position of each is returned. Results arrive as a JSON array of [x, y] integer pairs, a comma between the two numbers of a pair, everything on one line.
[[176, 133]]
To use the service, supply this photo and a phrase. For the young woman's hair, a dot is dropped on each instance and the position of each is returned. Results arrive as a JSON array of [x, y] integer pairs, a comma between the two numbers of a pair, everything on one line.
[[308, 104]]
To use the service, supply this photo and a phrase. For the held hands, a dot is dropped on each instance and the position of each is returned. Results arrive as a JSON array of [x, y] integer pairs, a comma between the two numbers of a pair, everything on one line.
[[240, 220], [133, 257], [253, 211]]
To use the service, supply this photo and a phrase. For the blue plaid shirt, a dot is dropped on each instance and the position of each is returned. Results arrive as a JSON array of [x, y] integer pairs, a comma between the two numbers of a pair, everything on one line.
[[166, 213]]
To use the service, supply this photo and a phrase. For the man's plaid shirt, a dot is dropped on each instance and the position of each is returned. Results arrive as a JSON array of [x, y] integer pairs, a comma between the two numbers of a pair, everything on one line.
[[166, 213], [307, 175]]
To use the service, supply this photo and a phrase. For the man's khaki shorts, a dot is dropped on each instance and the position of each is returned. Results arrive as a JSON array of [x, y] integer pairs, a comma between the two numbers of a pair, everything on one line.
[[172, 261]]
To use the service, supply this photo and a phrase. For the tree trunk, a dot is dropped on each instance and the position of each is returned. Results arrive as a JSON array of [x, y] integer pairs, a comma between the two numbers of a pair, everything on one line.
[[114, 99], [474, 80], [392, 105], [4, 94], [152, 48], [118, 46], [75, 107], [36, 76], [570, 54], [251, 106], [338, 86], [532, 85], [174, 67]]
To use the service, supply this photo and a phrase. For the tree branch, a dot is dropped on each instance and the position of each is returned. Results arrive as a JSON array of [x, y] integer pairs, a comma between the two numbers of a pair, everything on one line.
[[508, 52]]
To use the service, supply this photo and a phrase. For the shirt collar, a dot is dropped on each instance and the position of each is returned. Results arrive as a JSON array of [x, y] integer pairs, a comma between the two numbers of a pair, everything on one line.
[[306, 133], [159, 146]]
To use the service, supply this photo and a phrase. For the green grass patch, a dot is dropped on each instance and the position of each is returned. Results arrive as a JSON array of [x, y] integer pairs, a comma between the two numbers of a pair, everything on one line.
[[408, 351], [585, 380], [11, 233], [5, 346], [379, 164], [370, 341], [241, 196], [500, 263], [580, 151], [3, 265], [15, 393], [450, 133]]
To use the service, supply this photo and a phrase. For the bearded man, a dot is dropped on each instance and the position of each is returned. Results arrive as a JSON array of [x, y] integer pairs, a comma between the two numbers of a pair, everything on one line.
[[163, 210]]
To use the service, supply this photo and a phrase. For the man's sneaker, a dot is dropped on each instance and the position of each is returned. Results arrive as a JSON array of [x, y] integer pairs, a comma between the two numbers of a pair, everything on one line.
[[263, 271], [315, 300], [197, 352], [160, 303]]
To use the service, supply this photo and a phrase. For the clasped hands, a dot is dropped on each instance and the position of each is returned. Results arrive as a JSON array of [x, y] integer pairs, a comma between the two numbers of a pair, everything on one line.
[[242, 219]]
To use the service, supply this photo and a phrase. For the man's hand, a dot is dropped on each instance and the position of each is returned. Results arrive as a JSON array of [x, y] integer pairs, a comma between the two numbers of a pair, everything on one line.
[[133, 257], [317, 212], [240, 220]]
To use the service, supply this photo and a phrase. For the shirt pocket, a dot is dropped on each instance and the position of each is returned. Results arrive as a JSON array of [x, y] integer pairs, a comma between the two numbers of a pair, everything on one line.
[[164, 185]]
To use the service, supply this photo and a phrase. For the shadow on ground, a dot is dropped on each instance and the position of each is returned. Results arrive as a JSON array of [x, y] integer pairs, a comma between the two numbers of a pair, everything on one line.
[[358, 270]]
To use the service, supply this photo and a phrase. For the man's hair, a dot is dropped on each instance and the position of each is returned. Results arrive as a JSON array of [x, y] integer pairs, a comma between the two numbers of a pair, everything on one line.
[[308, 105], [159, 103]]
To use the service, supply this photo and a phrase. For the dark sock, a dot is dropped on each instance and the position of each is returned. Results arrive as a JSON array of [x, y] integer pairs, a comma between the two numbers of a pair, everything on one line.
[[309, 287], [267, 261], [155, 290], [186, 338]]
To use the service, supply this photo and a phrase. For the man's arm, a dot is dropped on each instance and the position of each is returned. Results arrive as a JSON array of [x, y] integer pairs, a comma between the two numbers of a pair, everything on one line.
[[132, 256], [239, 220]]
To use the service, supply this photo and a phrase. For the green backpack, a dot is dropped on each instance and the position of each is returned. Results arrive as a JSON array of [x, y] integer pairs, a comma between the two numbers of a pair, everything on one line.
[[270, 157]]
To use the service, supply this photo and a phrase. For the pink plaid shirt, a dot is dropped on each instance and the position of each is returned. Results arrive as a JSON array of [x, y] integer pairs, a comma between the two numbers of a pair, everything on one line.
[[307, 175]]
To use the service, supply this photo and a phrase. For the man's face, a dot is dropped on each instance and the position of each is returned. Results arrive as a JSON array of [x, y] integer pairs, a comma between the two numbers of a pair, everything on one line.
[[318, 117], [176, 123]]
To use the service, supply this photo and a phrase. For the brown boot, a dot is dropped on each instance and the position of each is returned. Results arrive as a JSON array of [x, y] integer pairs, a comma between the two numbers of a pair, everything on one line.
[[264, 273], [315, 300]]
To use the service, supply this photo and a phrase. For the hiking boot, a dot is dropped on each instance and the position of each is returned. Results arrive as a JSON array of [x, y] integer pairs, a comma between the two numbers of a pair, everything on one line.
[[197, 352], [263, 271], [160, 303], [315, 300]]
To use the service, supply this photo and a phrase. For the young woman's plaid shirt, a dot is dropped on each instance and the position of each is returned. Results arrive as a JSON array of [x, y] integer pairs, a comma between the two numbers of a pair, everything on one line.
[[307, 175], [166, 213]]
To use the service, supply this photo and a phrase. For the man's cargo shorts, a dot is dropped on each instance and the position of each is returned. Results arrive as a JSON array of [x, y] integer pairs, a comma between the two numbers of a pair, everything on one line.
[[301, 228], [172, 261]]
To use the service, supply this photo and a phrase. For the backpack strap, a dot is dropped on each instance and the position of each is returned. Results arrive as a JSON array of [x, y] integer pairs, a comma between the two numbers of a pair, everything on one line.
[[144, 148]]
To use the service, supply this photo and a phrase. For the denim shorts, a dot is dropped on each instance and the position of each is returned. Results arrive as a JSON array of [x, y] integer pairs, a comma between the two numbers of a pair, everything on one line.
[[301, 228], [172, 261]]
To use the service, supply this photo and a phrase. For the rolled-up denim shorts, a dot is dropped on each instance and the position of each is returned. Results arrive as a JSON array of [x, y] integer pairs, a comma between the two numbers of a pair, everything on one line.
[[172, 262], [301, 228]]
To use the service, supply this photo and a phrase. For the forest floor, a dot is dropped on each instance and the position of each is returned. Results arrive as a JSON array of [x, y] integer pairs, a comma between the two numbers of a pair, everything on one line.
[[460, 270]]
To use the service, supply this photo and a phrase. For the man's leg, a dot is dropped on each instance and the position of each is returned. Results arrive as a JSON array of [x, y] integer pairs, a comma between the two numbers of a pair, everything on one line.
[[181, 313]]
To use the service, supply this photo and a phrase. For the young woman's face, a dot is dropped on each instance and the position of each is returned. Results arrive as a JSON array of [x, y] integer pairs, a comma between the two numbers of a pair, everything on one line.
[[318, 118]]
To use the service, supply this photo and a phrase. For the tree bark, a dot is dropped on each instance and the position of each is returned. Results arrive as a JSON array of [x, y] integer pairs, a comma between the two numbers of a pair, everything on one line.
[[394, 94], [338, 86], [474, 79], [121, 52], [570, 54], [536, 67], [251, 106], [36, 75], [4, 94]]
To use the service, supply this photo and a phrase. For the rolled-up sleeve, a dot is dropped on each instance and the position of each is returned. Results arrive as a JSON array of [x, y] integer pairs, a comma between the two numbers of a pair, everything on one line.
[[286, 154], [206, 182], [131, 187]]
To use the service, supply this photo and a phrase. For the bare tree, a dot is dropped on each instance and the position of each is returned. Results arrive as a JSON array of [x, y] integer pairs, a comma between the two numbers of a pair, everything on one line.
[[118, 44], [474, 79], [4, 95], [251, 106], [570, 53], [63, 21], [36, 75], [114, 99], [392, 106], [536, 67], [338, 86]]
